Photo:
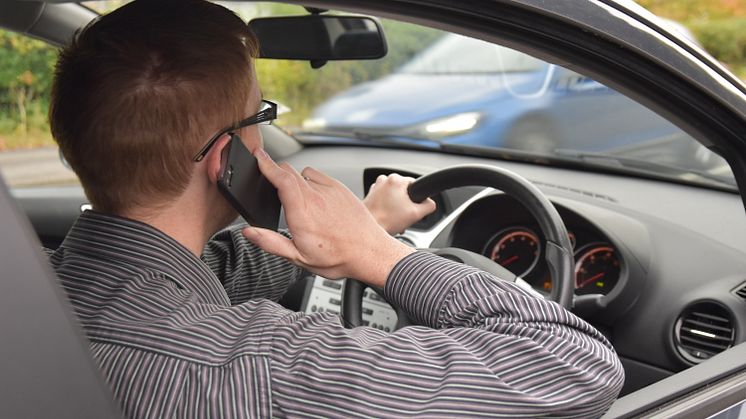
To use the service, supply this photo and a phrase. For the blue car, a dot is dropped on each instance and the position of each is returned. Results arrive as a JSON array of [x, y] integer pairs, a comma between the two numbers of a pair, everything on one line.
[[466, 91]]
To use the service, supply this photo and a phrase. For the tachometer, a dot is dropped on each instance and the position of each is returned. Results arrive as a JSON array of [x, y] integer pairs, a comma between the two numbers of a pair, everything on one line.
[[517, 249], [597, 269]]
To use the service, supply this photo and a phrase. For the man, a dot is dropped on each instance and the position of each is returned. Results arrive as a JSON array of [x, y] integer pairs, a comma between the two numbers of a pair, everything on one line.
[[182, 325]]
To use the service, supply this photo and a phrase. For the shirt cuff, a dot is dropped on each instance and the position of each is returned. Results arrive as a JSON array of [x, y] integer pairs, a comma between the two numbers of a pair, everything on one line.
[[420, 284]]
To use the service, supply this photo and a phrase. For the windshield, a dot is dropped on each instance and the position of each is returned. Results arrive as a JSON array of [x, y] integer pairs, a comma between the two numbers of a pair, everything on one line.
[[457, 94], [434, 89], [455, 54]]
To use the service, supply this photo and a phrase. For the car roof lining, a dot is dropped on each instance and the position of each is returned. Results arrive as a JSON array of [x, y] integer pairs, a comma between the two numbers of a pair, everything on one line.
[[50, 22]]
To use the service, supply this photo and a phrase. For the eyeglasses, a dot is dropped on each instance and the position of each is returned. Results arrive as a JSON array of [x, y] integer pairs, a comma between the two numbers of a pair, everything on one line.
[[265, 116]]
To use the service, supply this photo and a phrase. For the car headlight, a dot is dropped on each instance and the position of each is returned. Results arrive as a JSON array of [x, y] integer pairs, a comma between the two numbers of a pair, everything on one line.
[[312, 124], [451, 125]]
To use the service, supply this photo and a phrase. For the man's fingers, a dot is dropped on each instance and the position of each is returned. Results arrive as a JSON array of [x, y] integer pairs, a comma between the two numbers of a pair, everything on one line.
[[280, 175], [317, 177], [272, 242], [267, 166], [290, 169], [283, 177], [428, 206], [408, 179]]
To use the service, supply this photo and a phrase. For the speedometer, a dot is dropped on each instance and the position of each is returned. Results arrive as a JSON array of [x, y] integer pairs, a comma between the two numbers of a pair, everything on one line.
[[597, 269], [517, 249]]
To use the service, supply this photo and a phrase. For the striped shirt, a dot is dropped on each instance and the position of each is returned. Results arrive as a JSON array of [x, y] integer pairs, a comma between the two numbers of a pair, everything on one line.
[[179, 336]]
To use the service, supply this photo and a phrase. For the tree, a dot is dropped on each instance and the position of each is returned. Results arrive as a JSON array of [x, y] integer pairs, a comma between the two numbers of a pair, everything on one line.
[[25, 77]]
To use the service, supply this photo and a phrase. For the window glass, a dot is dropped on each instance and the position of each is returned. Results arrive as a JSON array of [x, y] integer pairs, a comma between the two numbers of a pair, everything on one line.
[[454, 54], [434, 89], [28, 155], [454, 93]]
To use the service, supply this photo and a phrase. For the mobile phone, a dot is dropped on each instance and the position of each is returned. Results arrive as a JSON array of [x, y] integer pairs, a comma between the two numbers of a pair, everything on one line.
[[244, 186]]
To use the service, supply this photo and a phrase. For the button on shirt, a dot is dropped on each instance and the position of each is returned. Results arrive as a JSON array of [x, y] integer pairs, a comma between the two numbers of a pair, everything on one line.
[[179, 336]]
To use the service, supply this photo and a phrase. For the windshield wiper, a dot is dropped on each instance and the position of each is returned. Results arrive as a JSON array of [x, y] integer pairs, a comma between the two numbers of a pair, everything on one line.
[[419, 143], [650, 168], [384, 139]]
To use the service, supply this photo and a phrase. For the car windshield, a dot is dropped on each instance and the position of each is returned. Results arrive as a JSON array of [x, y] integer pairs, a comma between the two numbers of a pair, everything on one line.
[[434, 89], [455, 54]]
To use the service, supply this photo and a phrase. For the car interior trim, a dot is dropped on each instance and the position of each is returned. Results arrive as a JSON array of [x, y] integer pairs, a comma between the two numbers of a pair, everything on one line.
[[717, 368], [61, 351]]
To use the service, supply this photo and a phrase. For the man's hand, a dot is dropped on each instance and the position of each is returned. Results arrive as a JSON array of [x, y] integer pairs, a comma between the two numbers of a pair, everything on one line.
[[391, 206], [334, 235]]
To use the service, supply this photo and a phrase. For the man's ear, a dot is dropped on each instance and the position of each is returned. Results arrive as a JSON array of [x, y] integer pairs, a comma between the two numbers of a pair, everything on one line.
[[212, 159]]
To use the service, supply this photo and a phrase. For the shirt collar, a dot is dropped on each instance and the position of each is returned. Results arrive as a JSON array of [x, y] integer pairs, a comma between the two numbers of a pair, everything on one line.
[[138, 244]]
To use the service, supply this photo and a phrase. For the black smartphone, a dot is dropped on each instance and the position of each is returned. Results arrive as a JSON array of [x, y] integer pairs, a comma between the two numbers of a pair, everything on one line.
[[244, 186]]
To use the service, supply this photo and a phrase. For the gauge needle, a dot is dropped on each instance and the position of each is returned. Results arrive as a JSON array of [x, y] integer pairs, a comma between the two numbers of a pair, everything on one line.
[[591, 279], [509, 260]]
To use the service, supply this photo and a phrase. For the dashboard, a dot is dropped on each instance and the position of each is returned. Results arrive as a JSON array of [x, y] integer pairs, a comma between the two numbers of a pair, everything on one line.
[[661, 267]]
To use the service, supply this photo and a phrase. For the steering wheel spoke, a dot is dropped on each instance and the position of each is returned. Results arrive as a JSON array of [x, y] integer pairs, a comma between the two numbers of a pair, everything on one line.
[[352, 312]]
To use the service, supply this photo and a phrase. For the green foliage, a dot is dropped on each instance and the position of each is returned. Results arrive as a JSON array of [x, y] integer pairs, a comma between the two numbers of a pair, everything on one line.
[[725, 39], [719, 25], [687, 11], [25, 81]]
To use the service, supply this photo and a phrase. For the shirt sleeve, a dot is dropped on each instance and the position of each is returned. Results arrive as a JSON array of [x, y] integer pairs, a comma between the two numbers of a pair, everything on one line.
[[245, 270], [484, 348]]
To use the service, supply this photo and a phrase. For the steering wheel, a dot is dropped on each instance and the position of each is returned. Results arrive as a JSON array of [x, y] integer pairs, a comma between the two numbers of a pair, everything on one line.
[[558, 252]]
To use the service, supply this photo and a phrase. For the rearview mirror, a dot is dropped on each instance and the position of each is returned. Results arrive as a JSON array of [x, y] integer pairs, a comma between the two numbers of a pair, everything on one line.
[[319, 37]]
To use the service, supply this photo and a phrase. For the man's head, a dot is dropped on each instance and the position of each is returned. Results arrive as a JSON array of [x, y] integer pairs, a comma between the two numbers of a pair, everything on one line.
[[139, 91]]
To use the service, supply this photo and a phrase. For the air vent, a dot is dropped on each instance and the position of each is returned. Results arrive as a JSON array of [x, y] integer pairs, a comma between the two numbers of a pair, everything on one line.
[[741, 291], [703, 330]]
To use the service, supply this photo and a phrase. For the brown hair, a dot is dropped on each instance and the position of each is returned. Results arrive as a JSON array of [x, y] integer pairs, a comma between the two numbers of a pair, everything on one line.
[[138, 91]]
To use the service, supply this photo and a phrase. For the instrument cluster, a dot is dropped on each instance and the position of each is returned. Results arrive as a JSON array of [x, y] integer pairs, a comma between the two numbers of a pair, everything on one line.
[[520, 249], [500, 228]]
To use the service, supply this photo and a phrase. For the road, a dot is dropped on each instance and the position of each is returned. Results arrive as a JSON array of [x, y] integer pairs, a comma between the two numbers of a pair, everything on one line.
[[37, 167]]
